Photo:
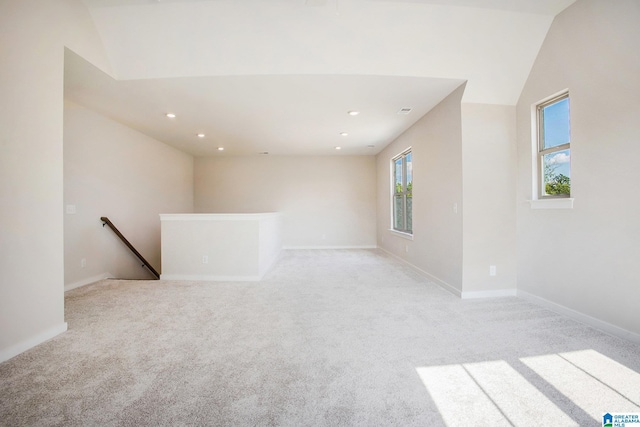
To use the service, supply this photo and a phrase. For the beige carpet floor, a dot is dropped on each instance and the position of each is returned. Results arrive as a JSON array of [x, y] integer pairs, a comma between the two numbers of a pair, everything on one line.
[[328, 338]]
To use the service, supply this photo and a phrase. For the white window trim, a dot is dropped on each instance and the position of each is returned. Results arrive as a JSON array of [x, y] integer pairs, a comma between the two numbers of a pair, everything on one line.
[[536, 201], [557, 203], [403, 234]]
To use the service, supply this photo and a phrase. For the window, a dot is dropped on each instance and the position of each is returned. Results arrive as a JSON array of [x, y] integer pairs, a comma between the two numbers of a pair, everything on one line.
[[402, 192], [554, 151]]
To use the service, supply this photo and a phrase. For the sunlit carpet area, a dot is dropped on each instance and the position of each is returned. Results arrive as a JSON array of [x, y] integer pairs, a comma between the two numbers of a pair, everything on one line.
[[328, 338]]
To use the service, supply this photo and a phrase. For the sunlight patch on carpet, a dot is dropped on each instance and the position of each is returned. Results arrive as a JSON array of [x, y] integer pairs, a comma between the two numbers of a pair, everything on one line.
[[493, 392], [488, 393], [593, 394], [617, 376], [458, 397]]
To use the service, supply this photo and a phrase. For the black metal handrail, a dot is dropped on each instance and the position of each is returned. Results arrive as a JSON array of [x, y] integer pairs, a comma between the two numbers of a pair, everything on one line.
[[145, 263]]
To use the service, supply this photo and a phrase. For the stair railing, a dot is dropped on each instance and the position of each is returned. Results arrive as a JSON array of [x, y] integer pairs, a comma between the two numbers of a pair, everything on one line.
[[145, 263]]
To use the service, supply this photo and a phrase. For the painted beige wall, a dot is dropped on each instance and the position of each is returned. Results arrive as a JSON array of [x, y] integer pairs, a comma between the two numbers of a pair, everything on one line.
[[111, 170], [436, 145], [586, 258], [325, 201], [33, 34], [489, 188]]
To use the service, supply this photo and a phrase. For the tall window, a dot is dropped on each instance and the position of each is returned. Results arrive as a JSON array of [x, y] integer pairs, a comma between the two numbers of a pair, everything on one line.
[[554, 151], [402, 192]]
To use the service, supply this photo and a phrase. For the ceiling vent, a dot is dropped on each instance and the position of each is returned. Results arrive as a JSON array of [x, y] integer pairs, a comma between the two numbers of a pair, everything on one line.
[[404, 111]]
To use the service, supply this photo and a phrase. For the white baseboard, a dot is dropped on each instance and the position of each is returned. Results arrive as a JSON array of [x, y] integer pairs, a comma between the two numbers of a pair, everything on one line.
[[438, 281], [23, 346], [87, 281], [498, 293], [330, 247], [608, 328], [210, 278]]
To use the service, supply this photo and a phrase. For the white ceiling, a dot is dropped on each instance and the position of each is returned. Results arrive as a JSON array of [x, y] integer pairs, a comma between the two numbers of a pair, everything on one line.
[[544, 7], [282, 115], [280, 75]]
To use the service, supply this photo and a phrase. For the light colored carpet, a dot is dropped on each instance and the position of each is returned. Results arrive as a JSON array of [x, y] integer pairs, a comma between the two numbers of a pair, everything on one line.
[[329, 338]]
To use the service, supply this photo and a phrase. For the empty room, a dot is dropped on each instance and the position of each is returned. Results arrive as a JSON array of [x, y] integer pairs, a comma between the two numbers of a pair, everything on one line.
[[345, 212]]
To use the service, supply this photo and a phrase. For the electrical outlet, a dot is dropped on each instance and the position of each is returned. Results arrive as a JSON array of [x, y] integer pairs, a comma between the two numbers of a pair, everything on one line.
[[205, 259], [71, 209], [406, 248], [492, 270], [83, 263], [455, 208]]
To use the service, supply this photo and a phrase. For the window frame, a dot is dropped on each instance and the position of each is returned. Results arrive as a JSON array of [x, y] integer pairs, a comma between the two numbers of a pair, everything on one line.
[[541, 152], [404, 193]]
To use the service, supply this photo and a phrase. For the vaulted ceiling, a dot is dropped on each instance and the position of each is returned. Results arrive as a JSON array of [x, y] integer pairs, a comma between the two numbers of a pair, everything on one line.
[[279, 76]]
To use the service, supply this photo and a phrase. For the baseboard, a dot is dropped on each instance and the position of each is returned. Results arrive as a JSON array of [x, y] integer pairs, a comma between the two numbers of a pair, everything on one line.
[[330, 247], [87, 281], [603, 326], [23, 346], [210, 278], [446, 286], [498, 293]]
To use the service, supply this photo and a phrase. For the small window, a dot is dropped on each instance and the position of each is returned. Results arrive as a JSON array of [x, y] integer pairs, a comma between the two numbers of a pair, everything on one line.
[[402, 192], [554, 148]]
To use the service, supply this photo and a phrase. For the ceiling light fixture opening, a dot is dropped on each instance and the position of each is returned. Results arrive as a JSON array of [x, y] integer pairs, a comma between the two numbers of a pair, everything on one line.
[[344, 134], [201, 135], [354, 113], [220, 148], [171, 115], [404, 111], [338, 148]]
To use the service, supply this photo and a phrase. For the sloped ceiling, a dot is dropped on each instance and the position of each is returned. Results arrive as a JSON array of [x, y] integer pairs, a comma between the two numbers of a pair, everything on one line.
[[290, 69]]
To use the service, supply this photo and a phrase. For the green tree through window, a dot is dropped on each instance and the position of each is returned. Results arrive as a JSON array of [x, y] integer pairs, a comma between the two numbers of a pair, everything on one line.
[[556, 183]]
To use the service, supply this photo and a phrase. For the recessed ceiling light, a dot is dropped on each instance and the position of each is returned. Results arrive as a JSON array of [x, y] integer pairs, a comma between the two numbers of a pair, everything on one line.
[[264, 152], [201, 135], [370, 146], [171, 115], [404, 111], [344, 134], [220, 148], [338, 148], [354, 113]]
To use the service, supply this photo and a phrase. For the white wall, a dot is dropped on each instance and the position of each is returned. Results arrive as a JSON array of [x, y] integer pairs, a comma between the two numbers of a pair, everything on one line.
[[586, 258], [325, 201], [33, 34], [237, 247], [111, 170], [436, 145], [270, 242], [489, 189]]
